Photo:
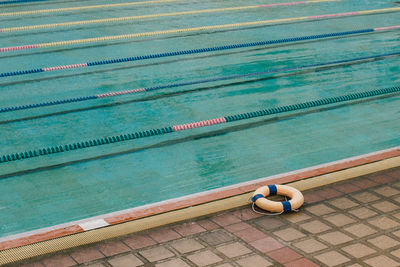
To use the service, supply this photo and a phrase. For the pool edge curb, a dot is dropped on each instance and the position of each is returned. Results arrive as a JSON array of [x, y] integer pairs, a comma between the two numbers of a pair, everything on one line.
[[197, 205]]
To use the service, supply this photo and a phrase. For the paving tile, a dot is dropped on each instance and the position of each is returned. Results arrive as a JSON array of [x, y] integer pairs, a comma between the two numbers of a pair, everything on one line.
[[360, 230], [319, 209], [267, 244], [96, 264], [186, 245], [237, 227], [396, 184], [139, 241], [224, 265], [339, 219], [88, 254], [254, 260], [125, 260], [363, 213], [315, 227], [32, 264], [364, 183], [189, 228], [396, 233], [173, 263], [343, 203], [289, 234], [268, 222], [335, 238], [358, 250], [394, 173], [59, 261], [380, 261], [157, 253], [382, 179], [396, 253], [303, 262], [204, 258], [164, 235], [396, 215], [216, 238], [347, 188], [113, 248], [383, 242], [208, 224], [387, 191], [365, 197], [312, 197], [310, 245], [295, 217], [329, 192], [284, 255], [332, 258], [225, 219], [383, 222], [354, 265], [233, 250], [385, 206], [250, 234], [246, 214]]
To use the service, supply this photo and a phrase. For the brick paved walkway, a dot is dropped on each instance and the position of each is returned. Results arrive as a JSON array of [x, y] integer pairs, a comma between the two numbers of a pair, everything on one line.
[[353, 223]]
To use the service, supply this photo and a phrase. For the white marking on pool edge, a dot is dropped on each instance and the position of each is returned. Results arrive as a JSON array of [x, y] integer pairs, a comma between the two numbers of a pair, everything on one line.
[[90, 225]]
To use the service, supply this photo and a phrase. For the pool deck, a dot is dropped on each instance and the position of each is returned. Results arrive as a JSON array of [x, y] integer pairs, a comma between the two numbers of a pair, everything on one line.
[[355, 222]]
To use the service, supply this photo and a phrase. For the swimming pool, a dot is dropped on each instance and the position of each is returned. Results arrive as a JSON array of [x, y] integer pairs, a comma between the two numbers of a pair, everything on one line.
[[46, 190]]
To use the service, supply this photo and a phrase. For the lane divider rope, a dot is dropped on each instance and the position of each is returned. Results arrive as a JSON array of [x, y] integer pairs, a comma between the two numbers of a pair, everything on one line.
[[53, 10], [194, 51], [192, 125], [175, 85], [173, 14], [20, 1], [196, 29]]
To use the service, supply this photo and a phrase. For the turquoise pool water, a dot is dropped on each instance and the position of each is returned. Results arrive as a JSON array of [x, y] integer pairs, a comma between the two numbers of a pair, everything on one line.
[[54, 189]]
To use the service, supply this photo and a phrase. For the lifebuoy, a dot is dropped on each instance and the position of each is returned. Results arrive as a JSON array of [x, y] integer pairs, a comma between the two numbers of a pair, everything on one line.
[[295, 202]]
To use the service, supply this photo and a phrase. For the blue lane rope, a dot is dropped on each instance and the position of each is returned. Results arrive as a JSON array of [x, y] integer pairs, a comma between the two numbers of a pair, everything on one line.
[[174, 85], [227, 47], [185, 52], [170, 129], [20, 1]]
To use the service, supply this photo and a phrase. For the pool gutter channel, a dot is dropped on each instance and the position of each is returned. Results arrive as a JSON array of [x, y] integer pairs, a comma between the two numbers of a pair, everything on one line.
[[99, 229]]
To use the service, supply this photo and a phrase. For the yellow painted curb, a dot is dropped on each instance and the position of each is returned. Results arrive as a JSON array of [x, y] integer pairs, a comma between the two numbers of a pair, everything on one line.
[[346, 174]]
